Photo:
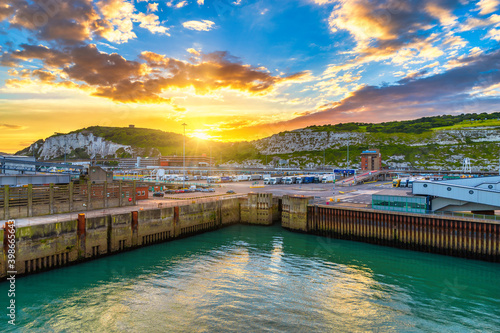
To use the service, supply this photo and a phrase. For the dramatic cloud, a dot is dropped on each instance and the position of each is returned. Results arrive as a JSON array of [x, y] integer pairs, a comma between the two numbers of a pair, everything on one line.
[[393, 30], [77, 21], [415, 96], [143, 81], [203, 25]]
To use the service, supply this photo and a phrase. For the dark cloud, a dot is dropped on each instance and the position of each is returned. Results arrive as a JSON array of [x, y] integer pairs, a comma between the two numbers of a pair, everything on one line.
[[10, 126], [381, 28], [215, 70], [72, 22], [453, 91], [142, 81], [100, 69], [68, 21], [50, 57], [436, 93]]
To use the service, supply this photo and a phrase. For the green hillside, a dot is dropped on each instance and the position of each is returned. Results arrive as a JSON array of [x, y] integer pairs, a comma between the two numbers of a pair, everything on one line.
[[440, 141], [151, 142], [417, 126]]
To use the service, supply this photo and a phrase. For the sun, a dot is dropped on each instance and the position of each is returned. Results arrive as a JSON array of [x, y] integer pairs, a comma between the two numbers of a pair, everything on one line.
[[201, 135]]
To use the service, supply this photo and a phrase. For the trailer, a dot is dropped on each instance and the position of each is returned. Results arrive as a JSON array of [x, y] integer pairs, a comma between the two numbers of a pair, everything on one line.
[[256, 177], [308, 180], [242, 178], [328, 179], [213, 179], [275, 180]]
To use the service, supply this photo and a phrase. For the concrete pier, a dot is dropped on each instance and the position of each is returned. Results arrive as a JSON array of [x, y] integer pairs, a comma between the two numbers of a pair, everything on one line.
[[45, 246], [448, 235]]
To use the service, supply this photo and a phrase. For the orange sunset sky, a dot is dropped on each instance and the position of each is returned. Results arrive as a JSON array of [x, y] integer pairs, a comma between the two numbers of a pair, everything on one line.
[[241, 70]]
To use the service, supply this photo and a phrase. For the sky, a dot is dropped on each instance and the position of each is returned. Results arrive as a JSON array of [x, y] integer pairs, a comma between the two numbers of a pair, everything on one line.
[[241, 70]]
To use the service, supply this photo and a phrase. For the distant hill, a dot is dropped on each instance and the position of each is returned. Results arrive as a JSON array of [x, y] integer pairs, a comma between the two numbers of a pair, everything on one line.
[[440, 142], [123, 142]]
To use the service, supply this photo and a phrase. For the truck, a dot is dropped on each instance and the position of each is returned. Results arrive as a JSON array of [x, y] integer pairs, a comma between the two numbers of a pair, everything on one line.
[[213, 179], [267, 181], [404, 182], [225, 179], [396, 182], [255, 177], [275, 180], [328, 179], [298, 179], [307, 180], [242, 178], [289, 180]]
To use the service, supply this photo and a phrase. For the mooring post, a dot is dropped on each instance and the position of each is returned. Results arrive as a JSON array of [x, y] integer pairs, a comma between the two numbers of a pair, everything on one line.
[[135, 227], [81, 235]]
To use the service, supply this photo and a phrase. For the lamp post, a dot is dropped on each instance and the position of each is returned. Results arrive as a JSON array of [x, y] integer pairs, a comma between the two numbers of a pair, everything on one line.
[[65, 147], [184, 158], [324, 159], [347, 154]]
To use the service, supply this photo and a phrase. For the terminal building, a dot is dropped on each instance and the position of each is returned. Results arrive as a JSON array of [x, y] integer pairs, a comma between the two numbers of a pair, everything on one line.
[[138, 162], [371, 160], [191, 161], [480, 195], [8, 165]]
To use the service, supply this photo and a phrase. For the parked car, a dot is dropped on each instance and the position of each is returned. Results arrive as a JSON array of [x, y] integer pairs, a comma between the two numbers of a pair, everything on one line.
[[230, 192], [158, 194]]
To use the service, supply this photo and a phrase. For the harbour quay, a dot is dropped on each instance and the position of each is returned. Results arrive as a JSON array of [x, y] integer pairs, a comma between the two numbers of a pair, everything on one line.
[[41, 246]]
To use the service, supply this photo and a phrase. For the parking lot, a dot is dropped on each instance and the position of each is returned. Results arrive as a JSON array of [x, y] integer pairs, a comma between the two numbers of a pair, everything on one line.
[[356, 195]]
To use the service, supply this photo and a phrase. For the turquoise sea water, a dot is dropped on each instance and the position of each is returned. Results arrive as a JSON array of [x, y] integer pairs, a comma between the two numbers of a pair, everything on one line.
[[261, 279]]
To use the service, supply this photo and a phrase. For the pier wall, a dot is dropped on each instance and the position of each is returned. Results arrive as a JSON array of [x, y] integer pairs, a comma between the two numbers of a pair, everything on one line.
[[45, 246], [454, 236], [41, 247], [258, 209]]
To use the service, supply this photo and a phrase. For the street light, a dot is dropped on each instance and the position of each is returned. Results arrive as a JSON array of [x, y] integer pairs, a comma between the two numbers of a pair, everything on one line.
[[347, 154], [184, 158]]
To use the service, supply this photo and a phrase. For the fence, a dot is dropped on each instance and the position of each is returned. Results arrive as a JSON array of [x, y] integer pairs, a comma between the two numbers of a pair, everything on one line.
[[141, 205], [20, 202], [157, 182]]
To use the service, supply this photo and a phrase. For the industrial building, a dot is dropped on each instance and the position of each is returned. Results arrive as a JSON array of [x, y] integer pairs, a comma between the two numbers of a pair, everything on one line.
[[8, 165], [138, 162], [399, 203], [99, 175], [191, 161], [480, 195], [22, 170], [371, 160]]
